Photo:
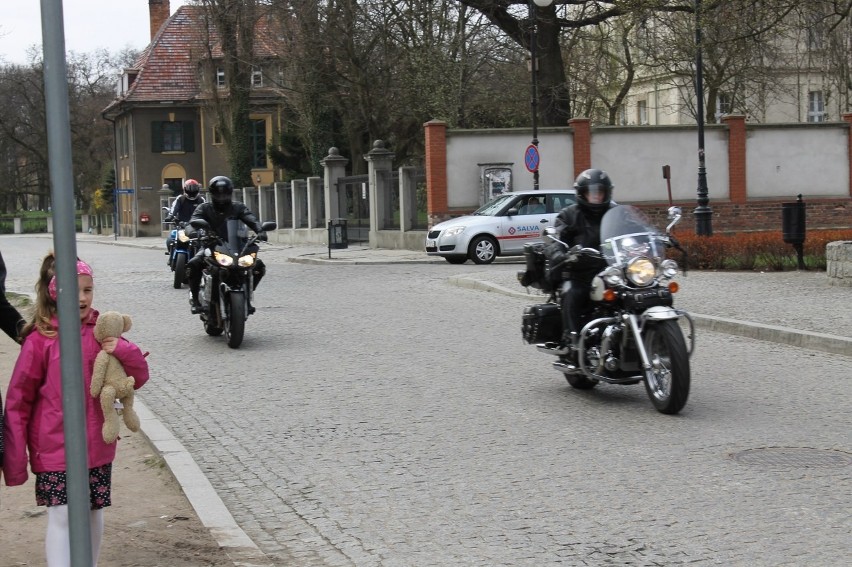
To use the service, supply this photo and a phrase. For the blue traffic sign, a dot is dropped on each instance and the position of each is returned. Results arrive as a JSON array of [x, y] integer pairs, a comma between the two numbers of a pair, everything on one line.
[[124, 191], [531, 158]]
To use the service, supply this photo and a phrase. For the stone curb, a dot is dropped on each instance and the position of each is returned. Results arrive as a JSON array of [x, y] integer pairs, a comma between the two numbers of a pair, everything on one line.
[[205, 501], [783, 335]]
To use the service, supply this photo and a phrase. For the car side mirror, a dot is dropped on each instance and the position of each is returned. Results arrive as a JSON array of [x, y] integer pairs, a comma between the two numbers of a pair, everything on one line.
[[512, 212]]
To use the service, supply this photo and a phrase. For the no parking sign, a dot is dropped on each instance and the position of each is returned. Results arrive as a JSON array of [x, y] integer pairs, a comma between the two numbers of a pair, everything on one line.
[[532, 158]]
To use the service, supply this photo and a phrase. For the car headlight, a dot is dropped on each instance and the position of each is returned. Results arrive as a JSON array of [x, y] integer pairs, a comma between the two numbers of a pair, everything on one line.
[[223, 259], [246, 261], [182, 236], [454, 230], [668, 269], [641, 271]]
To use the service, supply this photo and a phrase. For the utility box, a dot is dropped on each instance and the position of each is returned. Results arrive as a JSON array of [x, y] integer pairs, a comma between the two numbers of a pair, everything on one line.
[[337, 235], [793, 221]]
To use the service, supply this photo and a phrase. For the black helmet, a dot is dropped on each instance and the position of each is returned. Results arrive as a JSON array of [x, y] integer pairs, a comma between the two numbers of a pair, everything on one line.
[[191, 187], [221, 189], [594, 190]]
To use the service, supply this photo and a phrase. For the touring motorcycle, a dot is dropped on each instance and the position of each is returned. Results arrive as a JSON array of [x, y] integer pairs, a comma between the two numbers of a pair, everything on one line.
[[631, 332], [227, 279], [181, 249]]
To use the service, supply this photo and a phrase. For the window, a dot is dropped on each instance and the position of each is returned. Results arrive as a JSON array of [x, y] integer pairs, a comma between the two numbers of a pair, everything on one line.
[[220, 77], [816, 30], [642, 112], [723, 105], [217, 136], [172, 137], [258, 143], [256, 77], [816, 107]]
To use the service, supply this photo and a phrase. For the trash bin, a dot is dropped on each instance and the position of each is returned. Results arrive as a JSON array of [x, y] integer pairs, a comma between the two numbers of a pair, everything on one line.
[[793, 221], [337, 236]]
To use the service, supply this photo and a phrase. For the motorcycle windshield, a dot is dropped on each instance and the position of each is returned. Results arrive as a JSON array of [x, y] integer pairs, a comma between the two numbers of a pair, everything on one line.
[[627, 233], [237, 235]]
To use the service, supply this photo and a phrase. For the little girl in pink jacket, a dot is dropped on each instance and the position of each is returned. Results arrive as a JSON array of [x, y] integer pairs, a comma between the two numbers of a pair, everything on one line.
[[33, 423]]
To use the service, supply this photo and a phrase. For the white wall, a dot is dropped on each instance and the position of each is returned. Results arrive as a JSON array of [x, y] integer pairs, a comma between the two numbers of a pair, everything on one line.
[[786, 161], [466, 149], [634, 158], [783, 160]]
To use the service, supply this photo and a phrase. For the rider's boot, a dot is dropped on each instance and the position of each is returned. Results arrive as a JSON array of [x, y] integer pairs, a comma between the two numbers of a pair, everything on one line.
[[568, 346], [194, 304]]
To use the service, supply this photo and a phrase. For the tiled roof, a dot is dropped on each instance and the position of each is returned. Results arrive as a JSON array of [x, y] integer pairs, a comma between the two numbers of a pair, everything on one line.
[[168, 67]]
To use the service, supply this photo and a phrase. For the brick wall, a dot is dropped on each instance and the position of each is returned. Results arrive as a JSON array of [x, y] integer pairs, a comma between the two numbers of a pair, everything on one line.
[[758, 215]]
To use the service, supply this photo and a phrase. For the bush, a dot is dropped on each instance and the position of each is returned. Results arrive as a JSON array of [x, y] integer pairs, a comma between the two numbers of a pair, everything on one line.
[[765, 251]]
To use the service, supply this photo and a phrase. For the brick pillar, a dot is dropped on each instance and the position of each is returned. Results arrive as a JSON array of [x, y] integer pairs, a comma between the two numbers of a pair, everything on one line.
[[848, 119], [158, 12], [582, 128], [436, 171], [737, 190]]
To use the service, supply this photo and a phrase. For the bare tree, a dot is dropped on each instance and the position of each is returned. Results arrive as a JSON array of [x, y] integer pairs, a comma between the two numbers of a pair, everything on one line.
[[230, 35]]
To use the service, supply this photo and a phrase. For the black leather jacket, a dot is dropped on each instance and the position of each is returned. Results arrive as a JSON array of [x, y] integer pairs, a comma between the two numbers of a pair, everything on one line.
[[219, 220], [576, 225]]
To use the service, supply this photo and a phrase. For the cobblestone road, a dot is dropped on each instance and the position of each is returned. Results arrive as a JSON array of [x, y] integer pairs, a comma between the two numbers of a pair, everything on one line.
[[378, 416]]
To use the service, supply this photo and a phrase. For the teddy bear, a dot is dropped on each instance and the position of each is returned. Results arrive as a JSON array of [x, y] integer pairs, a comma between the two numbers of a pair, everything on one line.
[[109, 380]]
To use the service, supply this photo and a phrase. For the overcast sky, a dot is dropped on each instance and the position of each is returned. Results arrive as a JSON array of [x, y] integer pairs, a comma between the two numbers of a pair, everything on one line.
[[89, 25]]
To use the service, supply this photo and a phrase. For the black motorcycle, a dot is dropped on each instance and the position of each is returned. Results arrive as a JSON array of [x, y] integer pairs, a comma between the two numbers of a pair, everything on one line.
[[631, 332], [227, 279]]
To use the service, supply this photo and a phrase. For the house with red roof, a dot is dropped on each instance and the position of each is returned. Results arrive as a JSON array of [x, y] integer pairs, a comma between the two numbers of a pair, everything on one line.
[[164, 115]]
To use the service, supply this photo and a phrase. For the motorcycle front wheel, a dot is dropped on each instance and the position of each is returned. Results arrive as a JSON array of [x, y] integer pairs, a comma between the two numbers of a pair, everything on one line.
[[667, 382], [180, 270], [235, 323]]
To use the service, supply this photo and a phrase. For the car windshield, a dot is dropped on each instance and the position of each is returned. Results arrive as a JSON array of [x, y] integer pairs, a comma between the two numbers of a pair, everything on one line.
[[491, 208]]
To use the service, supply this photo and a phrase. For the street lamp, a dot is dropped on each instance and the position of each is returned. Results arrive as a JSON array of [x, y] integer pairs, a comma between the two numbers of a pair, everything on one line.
[[534, 72], [703, 212]]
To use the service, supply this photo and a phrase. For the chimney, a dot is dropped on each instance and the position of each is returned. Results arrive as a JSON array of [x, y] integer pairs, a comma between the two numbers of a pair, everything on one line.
[[159, 12]]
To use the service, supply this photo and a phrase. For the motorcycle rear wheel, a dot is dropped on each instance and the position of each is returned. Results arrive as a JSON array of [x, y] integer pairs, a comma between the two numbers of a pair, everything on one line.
[[180, 270], [667, 383], [235, 324]]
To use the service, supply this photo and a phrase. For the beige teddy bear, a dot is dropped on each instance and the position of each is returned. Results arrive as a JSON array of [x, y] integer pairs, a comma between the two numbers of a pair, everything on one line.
[[109, 380]]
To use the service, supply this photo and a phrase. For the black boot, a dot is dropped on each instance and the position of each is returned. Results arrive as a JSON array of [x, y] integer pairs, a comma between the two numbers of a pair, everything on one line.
[[567, 345], [194, 304]]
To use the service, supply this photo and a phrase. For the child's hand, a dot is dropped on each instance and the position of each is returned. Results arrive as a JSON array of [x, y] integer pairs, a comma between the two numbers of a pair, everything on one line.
[[108, 344]]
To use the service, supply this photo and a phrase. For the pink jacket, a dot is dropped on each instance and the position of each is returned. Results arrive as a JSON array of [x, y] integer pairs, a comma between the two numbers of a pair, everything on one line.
[[33, 420]]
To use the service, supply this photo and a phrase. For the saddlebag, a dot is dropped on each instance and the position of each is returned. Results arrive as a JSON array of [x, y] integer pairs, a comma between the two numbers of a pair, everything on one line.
[[535, 275], [542, 323]]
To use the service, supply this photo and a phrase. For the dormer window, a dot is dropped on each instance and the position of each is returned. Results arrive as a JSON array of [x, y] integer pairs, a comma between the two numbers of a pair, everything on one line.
[[256, 77], [220, 77]]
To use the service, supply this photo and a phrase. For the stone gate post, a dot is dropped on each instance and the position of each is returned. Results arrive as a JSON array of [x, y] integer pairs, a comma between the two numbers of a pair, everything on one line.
[[379, 170]]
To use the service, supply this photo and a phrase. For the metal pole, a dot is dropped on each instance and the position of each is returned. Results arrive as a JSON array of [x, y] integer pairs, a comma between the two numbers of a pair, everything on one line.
[[65, 247], [534, 71], [703, 212]]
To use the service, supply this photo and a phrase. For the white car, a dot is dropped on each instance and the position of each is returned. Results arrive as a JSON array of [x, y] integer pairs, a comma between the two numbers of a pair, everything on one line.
[[498, 228]]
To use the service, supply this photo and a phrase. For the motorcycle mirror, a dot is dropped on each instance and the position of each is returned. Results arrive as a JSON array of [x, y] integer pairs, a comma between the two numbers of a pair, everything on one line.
[[269, 225], [675, 215]]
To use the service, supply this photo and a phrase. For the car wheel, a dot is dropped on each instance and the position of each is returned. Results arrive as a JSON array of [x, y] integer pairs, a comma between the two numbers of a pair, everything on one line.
[[456, 259], [483, 250]]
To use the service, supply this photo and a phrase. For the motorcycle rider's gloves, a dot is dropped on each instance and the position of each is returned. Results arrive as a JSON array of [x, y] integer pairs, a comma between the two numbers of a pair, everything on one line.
[[262, 236]]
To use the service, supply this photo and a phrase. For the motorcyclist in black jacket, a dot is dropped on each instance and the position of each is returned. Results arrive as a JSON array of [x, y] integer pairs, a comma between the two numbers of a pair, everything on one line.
[[579, 224], [183, 207], [217, 212]]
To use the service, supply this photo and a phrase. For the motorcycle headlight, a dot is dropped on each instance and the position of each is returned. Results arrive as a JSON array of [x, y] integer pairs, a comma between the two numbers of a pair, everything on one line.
[[641, 271], [454, 231], [246, 261], [223, 259], [182, 236], [668, 268]]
